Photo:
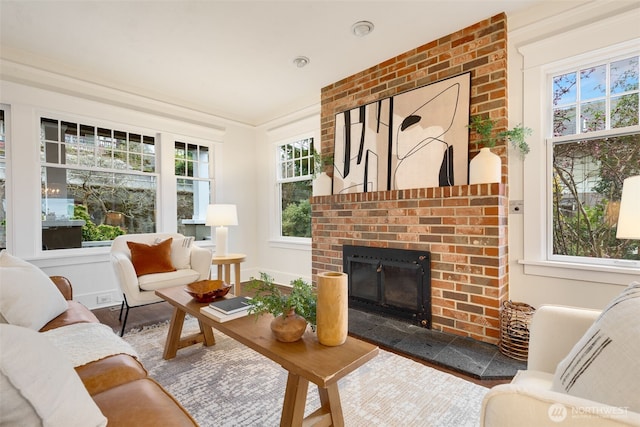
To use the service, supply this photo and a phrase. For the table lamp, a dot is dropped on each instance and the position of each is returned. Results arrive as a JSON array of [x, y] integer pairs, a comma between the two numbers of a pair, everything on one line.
[[221, 216], [629, 218]]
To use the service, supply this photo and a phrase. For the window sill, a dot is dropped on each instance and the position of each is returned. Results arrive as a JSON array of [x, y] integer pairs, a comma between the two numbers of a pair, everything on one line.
[[75, 256], [619, 275], [300, 244]]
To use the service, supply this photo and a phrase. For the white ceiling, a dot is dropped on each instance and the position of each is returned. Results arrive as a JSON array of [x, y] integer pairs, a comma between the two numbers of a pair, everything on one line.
[[233, 59]]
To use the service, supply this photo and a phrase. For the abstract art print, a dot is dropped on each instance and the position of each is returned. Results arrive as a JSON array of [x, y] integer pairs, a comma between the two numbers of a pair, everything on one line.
[[416, 139]]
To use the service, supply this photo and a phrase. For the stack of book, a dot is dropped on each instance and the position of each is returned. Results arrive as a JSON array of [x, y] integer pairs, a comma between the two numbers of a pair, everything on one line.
[[227, 309]]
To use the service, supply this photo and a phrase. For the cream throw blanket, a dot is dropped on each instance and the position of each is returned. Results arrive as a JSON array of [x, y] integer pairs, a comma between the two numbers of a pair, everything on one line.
[[87, 342]]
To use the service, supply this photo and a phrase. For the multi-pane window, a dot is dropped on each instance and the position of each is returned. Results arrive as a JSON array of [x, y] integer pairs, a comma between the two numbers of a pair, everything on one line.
[[97, 183], [596, 145], [295, 170], [194, 184], [3, 181]]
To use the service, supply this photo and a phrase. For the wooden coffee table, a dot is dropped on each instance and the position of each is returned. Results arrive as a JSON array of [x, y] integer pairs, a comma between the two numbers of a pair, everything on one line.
[[305, 360]]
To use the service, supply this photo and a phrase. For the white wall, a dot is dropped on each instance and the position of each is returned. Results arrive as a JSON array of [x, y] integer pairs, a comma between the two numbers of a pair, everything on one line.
[[529, 281]]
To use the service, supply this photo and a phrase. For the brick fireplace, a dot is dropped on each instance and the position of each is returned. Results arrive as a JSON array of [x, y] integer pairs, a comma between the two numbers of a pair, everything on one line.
[[464, 227]]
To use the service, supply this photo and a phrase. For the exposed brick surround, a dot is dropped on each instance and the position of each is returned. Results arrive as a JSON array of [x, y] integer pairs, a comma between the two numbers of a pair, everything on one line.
[[464, 226]]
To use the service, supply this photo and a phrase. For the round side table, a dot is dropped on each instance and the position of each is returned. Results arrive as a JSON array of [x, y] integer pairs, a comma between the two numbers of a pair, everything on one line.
[[227, 261]]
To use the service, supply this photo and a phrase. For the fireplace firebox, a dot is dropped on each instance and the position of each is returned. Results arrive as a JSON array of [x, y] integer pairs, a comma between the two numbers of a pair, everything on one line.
[[391, 281]]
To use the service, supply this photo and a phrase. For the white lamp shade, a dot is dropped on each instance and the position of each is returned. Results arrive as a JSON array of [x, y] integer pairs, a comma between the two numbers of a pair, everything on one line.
[[629, 218], [221, 215]]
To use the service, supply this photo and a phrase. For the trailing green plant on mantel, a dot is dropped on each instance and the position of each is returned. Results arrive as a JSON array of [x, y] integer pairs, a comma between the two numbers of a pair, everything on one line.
[[320, 162], [516, 136], [269, 298]]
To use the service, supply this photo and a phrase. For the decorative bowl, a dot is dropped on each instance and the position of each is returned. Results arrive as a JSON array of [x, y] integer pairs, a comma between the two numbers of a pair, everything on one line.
[[207, 290]]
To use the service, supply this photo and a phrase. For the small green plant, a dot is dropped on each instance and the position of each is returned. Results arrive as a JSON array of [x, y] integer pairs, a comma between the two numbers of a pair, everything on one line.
[[516, 136], [92, 232], [320, 162], [269, 298]]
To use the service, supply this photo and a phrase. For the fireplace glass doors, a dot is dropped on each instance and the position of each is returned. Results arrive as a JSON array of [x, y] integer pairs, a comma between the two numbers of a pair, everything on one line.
[[392, 281]]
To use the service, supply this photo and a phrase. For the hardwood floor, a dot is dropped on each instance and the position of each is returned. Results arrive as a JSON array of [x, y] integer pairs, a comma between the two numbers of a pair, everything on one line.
[[138, 316], [161, 312]]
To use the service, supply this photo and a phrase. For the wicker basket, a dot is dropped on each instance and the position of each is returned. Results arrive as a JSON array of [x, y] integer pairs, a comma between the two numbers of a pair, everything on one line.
[[515, 318]]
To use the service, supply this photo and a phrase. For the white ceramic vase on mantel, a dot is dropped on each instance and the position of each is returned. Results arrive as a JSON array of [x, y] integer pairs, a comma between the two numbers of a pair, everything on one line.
[[321, 185], [485, 167]]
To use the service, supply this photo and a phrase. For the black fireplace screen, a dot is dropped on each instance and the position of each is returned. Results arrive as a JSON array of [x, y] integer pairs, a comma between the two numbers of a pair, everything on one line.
[[392, 281]]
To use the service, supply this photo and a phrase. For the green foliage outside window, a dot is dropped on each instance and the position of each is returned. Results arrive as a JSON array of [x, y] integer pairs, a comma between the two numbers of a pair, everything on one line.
[[296, 166], [93, 232], [296, 219], [588, 172]]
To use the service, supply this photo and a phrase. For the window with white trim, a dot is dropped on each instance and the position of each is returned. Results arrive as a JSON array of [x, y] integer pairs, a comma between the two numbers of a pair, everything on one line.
[[294, 181], [97, 183], [3, 181], [193, 170], [595, 145]]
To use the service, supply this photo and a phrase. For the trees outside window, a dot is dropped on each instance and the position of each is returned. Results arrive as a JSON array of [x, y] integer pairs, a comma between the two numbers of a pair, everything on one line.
[[596, 145], [104, 179], [295, 172], [194, 185]]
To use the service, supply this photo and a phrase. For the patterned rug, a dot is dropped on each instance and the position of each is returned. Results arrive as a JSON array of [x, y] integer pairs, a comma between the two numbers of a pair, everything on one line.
[[229, 384]]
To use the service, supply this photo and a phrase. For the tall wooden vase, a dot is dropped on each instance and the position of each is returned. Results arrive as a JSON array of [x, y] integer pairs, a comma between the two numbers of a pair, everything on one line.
[[332, 310]]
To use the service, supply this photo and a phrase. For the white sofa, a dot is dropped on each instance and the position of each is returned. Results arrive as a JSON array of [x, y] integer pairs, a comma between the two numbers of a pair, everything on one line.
[[529, 399], [192, 263]]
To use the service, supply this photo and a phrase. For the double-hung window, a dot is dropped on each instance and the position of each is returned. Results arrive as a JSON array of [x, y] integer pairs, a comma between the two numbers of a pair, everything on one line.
[[294, 182], [97, 183], [595, 145], [193, 169], [580, 98]]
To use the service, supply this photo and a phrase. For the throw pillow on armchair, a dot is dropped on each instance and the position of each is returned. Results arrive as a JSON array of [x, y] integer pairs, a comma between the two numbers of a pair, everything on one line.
[[604, 365], [150, 259]]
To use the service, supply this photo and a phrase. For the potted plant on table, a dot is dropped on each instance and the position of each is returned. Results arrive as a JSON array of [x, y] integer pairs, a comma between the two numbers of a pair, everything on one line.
[[291, 311]]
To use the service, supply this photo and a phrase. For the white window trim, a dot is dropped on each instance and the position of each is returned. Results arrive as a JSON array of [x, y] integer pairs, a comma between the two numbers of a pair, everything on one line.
[[7, 168], [166, 218], [613, 36], [96, 123], [277, 239], [210, 170], [307, 125]]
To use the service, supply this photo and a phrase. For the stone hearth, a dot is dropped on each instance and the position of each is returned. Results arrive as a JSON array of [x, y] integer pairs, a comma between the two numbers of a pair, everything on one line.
[[462, 354]]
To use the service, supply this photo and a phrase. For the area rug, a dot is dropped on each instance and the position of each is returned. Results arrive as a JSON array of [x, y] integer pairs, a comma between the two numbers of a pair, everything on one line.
[[229, 384]]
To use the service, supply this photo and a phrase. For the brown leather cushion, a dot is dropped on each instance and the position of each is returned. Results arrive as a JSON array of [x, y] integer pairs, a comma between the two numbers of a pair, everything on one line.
[[64, 286], [149, 259], [142, 403], [76, 313], [110, 372]]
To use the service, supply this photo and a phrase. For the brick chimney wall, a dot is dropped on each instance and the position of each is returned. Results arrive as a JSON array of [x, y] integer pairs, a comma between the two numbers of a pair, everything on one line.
[[464, 226]]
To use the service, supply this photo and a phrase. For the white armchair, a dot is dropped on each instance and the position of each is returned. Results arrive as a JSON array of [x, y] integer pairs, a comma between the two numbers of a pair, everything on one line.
[[529, 400], [192, 263]]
